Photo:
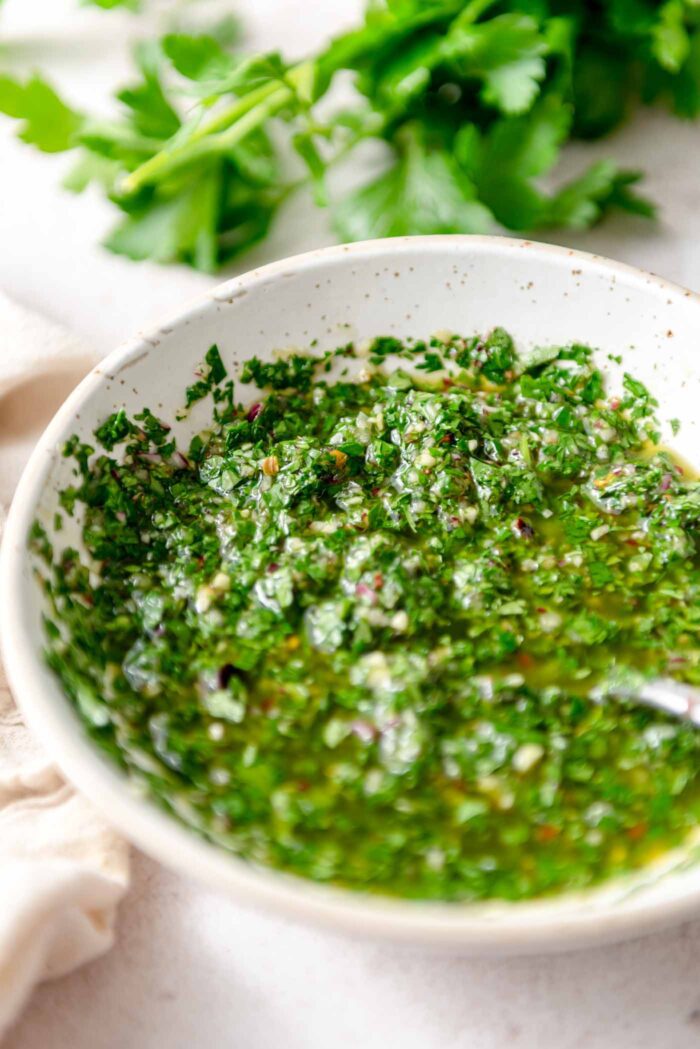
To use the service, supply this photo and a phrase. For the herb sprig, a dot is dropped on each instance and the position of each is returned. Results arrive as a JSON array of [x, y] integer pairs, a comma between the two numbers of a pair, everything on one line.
[[473, 102]]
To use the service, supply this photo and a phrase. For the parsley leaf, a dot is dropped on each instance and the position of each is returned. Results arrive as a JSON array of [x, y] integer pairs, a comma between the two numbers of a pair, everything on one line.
[[197, 57], [48, 123], [212, 373], [473, 102], [292, 373], [506, 53], [423, 192]]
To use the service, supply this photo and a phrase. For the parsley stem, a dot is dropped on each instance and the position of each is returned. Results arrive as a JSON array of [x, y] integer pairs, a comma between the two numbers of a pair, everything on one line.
[[198, 143], [226, 128]]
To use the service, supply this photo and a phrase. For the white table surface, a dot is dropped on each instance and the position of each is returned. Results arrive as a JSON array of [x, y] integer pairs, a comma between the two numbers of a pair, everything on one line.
[[193, 969]]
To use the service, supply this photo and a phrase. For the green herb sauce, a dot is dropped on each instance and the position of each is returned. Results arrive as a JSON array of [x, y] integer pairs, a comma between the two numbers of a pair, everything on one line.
[[350, 633]]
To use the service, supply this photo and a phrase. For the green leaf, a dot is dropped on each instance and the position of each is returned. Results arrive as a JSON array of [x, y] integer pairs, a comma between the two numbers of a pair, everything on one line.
[[424, 191], [197, 57], [516, 150], [506, 53], [256, 160], [117, 141], [243, 75], [670, 40], [685, 87], [307, 149], [475, 98], [89, 168], [182, 228], [49, 124], [583, 201], [601, 89], [151, 112], [406, 74], [630, 18], [246, 217], [530, 144]]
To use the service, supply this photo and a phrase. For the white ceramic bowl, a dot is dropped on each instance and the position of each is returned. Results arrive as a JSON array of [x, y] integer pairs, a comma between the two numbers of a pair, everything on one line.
[[412, 286]]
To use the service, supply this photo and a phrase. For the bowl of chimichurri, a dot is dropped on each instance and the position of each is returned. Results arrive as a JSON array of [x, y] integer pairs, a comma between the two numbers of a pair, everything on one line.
[[311, 590]]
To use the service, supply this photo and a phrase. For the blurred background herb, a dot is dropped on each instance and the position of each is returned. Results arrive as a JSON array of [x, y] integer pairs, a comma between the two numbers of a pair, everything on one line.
[[473, 103]]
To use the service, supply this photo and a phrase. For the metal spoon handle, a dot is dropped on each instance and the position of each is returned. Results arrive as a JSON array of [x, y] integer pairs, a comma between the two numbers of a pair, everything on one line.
[[663, 693]]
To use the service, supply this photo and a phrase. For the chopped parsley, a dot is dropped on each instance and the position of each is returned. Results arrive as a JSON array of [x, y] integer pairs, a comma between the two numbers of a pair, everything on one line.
[[352, 632]]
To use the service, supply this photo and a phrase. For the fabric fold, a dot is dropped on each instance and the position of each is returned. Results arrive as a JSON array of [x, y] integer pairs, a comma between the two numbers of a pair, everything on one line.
[[62, 869]]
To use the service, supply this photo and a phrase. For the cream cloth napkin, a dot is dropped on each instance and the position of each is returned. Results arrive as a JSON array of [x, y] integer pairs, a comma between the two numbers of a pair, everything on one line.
[[62, 870]]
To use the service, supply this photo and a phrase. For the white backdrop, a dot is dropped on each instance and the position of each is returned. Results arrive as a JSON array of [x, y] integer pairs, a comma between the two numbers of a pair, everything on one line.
[[191, 969]]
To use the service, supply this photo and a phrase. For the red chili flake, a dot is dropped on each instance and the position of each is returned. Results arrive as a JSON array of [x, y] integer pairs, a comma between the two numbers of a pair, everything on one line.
[[200, 560], [525, 660], [638, 831], [615, 403], [273, 566], [679, 470], [303, 785], [524, 529], [538, 609], [447, 439], [254, 411], [631, 542], [547, 832], [378, 580], [447, 383], [376, 491]]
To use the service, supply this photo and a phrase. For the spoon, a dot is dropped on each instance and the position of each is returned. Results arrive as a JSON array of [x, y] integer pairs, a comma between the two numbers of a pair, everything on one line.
[[663, 693]]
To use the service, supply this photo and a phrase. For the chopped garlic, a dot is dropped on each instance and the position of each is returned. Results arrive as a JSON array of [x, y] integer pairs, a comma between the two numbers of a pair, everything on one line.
[[527, 756], [550, 621], [426, 459], [203, 599]]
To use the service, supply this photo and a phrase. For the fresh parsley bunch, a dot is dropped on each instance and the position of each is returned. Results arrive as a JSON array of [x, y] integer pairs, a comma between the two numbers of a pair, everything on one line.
[[473, 101]]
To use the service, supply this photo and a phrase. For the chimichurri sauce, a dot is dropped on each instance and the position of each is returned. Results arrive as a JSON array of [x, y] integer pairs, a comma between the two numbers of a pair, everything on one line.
[[350, 632]]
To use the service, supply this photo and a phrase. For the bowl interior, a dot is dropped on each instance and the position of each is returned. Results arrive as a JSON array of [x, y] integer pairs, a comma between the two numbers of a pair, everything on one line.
[[413, 287]]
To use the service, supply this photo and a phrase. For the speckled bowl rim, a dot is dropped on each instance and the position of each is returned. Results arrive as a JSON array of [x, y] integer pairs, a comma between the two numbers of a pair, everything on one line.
[[613, 911]]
